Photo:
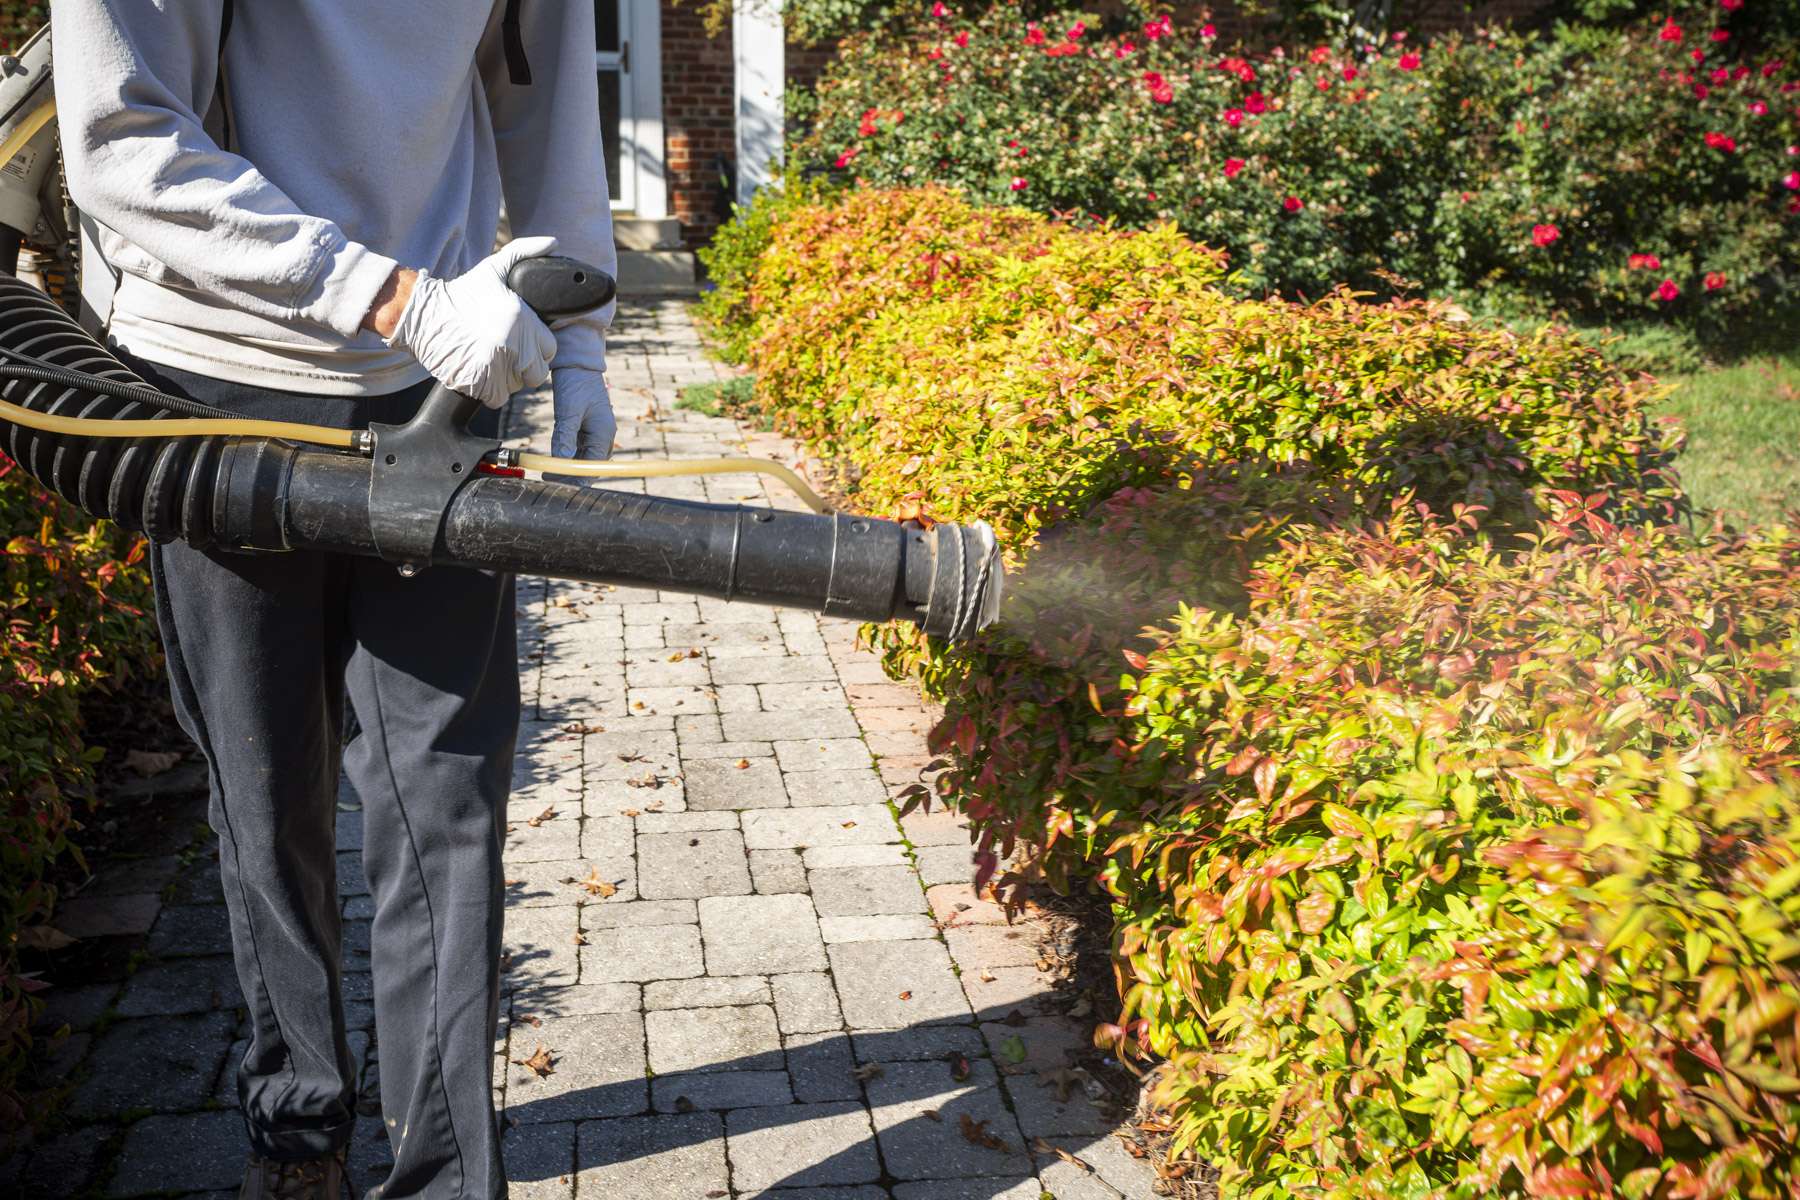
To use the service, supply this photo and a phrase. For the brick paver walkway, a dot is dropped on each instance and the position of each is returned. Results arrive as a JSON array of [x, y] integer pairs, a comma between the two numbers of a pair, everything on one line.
[[750, 979]]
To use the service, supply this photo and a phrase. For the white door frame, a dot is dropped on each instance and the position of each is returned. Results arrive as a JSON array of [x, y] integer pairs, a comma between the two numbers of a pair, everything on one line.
[[759, 59], [643, 180]]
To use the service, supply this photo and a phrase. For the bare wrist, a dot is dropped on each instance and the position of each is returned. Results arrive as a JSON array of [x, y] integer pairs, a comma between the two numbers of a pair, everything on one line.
[[384, 315]]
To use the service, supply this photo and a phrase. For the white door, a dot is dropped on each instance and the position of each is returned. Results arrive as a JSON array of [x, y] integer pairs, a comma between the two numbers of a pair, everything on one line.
[[612, 58]]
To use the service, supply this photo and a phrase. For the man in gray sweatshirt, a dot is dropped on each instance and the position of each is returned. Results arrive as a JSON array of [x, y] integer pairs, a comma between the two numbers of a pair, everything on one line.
[[298, 199]]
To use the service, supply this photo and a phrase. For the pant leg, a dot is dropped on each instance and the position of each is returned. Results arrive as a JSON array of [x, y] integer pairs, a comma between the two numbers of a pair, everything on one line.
[[434, 681], [254, 650]]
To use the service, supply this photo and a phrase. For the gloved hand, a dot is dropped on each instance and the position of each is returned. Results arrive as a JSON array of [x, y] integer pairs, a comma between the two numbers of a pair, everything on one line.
[[473, 333], [584, 422]]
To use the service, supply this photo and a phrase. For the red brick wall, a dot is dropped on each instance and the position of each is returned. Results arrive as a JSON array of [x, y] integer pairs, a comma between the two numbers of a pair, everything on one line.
[[697, 118]]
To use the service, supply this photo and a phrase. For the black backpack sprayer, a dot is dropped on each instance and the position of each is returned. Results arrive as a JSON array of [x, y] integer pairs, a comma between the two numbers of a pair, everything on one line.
[[428, 492]]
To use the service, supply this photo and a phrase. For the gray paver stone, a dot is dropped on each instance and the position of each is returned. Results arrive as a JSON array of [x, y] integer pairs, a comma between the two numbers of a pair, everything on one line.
[[915, 1146], [866, 891], [761, 935], [180, 986], [706, 992], [815, 789], [66, 1165], [806, 1003], [843, 825], [107, 916], [617, 914], [196, 1150], [800, 1145], [977, 946], [820, 858], [976, 1189], [822, 1068], [598, 1069], [890, 985], [77, 1007], [759, 726], [540, 1161], [890, 927], [651, 1158], [690, 865], [583, 999], [777, 871], [998, 992], [822, 754], [165, 1062], [187, 930], [939, 827], [640, 954], [946, 864], [691, 1090], [1116, 1174], [957, 904], [714, 1039], [720, 783], [917, 1043]]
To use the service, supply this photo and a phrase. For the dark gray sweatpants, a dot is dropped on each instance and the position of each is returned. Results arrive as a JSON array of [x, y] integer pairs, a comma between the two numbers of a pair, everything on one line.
[[260, 650]]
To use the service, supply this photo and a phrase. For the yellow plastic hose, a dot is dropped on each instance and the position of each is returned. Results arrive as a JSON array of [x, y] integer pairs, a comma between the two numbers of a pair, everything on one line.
[[345, 439], [25, 130], [318, 435]]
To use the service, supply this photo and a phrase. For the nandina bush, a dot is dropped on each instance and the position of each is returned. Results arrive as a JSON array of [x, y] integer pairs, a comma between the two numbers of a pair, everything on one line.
[[1411, 885], [74, 595], [1513, 173], [1306, 754], [986, 362]]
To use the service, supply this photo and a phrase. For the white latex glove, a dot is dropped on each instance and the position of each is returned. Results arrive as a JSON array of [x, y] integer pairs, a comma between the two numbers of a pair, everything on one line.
[[584, 426], [473, 333]]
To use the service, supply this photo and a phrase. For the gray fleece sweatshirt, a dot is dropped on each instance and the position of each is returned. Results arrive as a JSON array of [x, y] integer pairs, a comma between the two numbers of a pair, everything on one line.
[[363, 135]]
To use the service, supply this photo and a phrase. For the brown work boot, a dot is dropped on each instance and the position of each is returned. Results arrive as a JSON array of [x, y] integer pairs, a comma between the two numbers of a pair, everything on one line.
[[314, 1179]]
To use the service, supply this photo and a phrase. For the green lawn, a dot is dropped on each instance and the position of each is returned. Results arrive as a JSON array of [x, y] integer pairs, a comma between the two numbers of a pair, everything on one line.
[[1743, 427]]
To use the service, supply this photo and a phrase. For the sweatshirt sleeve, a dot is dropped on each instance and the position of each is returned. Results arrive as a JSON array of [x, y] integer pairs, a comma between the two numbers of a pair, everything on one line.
[[133, 78], [552, 170]]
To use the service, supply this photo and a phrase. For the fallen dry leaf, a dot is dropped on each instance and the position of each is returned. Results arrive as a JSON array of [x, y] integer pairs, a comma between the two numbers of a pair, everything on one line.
[[547, 814], [43, 937], [932, 1114], [540, 1062], [596, 886], [577, 939], [985, 975], [151, 762], [634, 758], [578, 727], [906, 995], [849, 824], [959, 1067], [534, 1022], [743, 764], [867, 1072], [1062, 1079], [978, 1133], [1043, 1147], [628, 812]]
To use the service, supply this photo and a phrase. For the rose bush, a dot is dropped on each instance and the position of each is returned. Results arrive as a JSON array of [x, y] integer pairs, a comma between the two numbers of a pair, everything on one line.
[[1520, 173], [1349, 646]]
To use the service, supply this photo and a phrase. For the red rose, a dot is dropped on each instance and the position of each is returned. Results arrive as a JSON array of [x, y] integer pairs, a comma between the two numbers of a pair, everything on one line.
[[868, 127], [1791, 181], [1543, 235], [1670, 32], [1254, 103], [1666, 290], [1234, 117], [1292, 204], [1646, 262], [1714, 280], [1409, 61], [1207, 31], [1701, 91], [1698, 56], [1033, 35], [1721, 141], [1159, 28], [1123, 48], [1770, 67], [1320, 54], [1232, 167], [1019, 184], [843, 160], [1349, 74], [1720, 35], [1731, 5], [939, 11], [1163, 94], [1758, 108], [1076, 30], [1721, 76], [1061, 50]]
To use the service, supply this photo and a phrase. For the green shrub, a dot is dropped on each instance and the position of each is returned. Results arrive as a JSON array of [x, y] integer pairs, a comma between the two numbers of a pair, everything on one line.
[[1312, 834], [1511, 172], [73, 595], [1320, 796]]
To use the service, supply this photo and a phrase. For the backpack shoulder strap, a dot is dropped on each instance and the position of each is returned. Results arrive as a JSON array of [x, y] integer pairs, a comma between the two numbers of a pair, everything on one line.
[[518, 67]]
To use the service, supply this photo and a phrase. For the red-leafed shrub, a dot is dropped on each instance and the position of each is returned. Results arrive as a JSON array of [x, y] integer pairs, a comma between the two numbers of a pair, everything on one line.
[[74, 597], [1334, 632]]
